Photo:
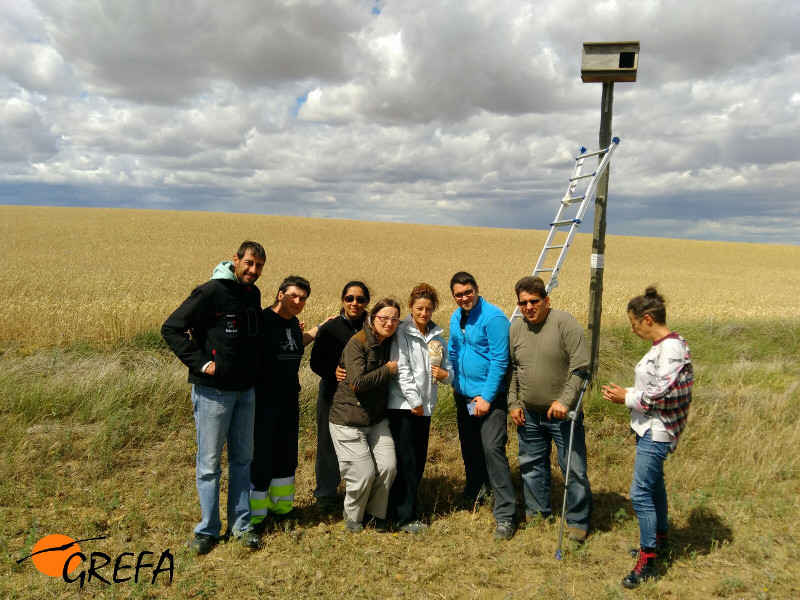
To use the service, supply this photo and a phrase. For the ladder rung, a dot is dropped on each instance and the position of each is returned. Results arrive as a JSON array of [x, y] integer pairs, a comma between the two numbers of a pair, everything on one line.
[[603, 151], [544, 271], [581, 153], [566, 222], [568, 201], [583, 176], [553, 247]]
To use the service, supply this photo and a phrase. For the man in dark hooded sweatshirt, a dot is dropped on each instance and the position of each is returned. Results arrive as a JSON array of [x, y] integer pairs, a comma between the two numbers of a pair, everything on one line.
[[215, 333]]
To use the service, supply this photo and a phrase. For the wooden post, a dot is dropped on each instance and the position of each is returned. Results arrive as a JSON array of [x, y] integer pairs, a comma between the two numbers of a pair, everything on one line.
[[599, 239]]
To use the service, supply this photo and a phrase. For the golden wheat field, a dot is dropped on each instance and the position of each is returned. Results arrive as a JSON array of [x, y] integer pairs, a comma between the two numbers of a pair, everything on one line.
[[71, 274]]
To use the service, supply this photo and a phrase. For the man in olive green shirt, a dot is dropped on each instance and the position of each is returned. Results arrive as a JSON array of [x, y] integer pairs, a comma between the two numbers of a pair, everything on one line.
[[547, 348]]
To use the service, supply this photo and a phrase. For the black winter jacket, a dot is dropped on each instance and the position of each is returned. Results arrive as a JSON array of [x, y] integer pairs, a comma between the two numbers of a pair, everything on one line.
[[326, 352], [222, 317]]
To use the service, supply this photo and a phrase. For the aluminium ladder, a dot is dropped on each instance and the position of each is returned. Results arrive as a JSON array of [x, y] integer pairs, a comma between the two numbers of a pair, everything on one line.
[[561, 220]]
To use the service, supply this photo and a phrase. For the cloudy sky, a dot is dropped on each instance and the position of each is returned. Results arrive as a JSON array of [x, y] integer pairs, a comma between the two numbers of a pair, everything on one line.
[[462, 113]]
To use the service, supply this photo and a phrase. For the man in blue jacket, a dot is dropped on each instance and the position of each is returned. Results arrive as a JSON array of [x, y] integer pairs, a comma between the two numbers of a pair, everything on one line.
[[478, 349], [215, 334]]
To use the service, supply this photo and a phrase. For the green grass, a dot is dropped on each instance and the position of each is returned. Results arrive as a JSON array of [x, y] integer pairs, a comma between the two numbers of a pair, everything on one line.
[[100, 442]]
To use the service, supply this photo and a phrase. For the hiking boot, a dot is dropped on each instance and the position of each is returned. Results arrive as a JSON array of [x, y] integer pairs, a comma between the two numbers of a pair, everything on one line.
[[663, 548], [327, 504], [352, 526], [577, 535], [469, 500], [381, 525], [504, 530], [293, 514], [250, 539], [202, 544], [645, 569], [413, 527]]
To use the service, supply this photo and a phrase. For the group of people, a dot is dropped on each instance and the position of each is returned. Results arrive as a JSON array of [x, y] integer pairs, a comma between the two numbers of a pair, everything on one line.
[[379, 374]]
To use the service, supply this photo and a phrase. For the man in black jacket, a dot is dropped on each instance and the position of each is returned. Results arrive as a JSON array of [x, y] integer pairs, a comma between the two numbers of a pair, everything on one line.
[[215, 333]]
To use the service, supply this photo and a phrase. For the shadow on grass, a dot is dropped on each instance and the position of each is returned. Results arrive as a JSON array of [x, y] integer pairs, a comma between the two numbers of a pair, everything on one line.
[[703, 532]]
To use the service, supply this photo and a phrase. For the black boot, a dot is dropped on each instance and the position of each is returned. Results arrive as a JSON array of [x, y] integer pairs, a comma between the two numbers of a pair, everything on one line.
[[645, 569], [663, 549]]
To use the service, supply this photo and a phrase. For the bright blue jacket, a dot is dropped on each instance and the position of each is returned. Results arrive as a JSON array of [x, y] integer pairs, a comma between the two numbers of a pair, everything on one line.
[[480, 353]]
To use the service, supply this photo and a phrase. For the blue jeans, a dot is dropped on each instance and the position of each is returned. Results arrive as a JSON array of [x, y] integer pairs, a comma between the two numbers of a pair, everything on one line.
[[648, 493], [221, 415], [534, 464]]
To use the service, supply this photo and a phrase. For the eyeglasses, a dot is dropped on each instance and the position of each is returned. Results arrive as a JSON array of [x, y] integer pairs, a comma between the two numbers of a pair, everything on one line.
[[524, 303], [390, 320], [294, 296], [359, 299], [464, 294]]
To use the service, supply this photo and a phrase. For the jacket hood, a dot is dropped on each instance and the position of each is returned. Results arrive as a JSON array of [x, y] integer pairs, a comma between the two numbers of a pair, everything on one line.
[[411, 328], [224, 270]]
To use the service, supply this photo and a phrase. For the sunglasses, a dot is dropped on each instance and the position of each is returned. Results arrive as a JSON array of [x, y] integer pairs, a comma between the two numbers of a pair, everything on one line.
[[524, 303], [359, 299]]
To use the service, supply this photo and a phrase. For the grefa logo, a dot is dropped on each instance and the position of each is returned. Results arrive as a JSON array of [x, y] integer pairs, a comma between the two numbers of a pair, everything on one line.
[[59, 555]]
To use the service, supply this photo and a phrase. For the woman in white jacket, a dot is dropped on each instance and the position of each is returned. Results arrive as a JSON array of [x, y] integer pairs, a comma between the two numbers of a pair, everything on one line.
[[421, 354]]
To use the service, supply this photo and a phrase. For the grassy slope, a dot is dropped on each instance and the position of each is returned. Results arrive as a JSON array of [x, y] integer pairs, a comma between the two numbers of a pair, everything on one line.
[[101, 442]]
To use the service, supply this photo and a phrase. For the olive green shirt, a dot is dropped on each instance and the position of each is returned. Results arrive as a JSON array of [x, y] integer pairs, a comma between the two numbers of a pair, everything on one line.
[[543, 360]]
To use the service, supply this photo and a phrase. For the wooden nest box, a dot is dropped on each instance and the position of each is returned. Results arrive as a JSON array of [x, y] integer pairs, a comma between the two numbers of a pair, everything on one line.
[[609, 61]]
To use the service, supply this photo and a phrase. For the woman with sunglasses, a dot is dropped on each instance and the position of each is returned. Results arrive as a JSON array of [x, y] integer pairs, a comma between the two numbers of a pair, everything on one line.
[[358, 423], [277, 415], [325, 356], [659, 404], [422, 362]]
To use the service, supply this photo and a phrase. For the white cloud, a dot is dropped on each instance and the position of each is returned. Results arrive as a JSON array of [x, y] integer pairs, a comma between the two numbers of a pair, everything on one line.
[[447, 112]]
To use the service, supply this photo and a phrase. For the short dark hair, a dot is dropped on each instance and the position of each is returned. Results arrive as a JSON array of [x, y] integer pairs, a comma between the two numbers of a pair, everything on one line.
[[462, 278], [294, 281], [650, 303], [423, 290], [356, 283], [380, 305], [532, 285], [256, 249]]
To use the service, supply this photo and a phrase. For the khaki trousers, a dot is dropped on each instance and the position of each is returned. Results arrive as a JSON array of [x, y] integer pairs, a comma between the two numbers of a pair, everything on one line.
[[368, 466]]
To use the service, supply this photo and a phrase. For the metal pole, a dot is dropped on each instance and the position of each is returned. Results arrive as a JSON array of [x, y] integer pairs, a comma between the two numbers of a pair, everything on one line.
[[599, 240], [572, 415]]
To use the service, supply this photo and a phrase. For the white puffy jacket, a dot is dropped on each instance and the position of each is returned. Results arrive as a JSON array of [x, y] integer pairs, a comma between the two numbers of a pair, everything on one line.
[[414, 385]]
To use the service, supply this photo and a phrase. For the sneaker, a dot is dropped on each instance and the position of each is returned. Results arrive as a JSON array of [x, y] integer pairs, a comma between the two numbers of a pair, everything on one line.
[[413, 527], [504, 531], [645, 569], [202, 544], [353, 526], [577, 535]]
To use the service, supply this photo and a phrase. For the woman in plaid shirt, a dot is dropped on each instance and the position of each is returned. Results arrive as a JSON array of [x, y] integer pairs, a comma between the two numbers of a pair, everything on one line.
[[659, 404]]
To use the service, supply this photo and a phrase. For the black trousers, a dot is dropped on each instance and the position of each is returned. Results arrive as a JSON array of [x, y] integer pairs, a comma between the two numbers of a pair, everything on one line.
[[410, 434], [275, 438], [483, 449], [326, 465]]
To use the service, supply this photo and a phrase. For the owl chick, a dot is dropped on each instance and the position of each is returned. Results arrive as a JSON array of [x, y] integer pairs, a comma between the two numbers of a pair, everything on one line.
[[436, 351]]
